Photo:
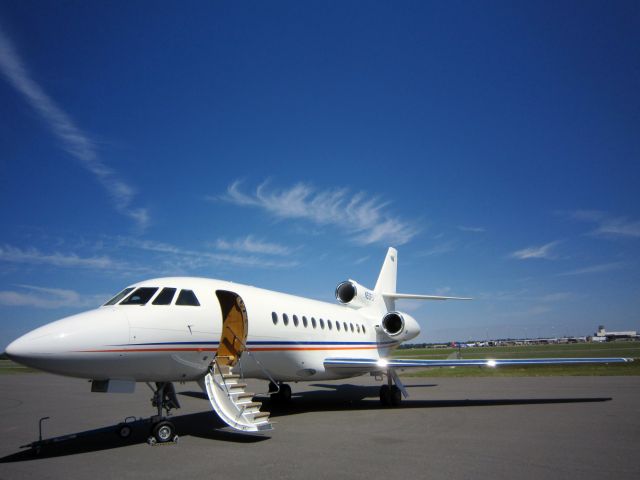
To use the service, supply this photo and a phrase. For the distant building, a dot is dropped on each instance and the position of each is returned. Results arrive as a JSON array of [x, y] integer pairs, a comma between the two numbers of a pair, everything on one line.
[[603, 336]]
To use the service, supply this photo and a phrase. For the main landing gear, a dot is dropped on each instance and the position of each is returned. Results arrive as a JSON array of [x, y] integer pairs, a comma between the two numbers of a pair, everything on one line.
[[390, 396], [280, 393], [391, 393], [164, 398]]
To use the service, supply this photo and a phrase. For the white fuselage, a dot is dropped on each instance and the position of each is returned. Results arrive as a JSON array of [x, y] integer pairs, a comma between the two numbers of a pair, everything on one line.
[[164, 343]]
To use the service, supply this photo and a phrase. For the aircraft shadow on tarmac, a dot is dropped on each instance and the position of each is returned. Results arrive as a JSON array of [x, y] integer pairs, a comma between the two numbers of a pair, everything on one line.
[[334, 398], [206, 425], [354, 397]]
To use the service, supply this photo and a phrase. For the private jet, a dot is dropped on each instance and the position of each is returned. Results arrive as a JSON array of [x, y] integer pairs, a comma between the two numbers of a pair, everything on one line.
[[219, 333]]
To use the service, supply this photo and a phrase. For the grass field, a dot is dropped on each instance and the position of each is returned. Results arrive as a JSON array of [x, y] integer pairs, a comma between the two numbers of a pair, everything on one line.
[[612, 349], [7, 367]]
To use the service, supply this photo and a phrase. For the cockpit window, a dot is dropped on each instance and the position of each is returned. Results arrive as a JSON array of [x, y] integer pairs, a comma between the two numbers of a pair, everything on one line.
[[119, 296], [140, 297], [187, 297], [164, 297]]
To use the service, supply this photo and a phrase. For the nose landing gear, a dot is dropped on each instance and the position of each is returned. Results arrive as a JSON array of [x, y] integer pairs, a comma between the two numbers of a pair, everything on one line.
[[164, 398], [161, 430], [390, 396]]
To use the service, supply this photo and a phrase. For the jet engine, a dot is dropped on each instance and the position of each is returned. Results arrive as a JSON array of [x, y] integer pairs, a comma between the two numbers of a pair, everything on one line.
[[354, 295], [400, 326]]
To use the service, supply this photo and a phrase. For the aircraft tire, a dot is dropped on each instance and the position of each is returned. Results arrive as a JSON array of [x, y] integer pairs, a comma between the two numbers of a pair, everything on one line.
[[395, 396], [385, 395], [285, 393], [164, 431]]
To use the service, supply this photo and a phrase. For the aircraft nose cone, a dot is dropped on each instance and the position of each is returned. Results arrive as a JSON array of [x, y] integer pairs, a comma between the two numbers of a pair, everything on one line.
[[30, 348], [55, 347], [26, 350], [16, 350]]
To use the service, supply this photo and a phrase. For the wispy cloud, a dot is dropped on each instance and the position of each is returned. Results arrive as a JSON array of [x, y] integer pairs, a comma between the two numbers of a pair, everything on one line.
[[442, 291], [463, 228], [179, 259], [532, 311], [73, 140], [361, 260], [40, 297], [151, 246], [542, 251], [607, 225], [249, 244], [602, 267], [35, 257], [365, 218], [436, 250], [557, 297]]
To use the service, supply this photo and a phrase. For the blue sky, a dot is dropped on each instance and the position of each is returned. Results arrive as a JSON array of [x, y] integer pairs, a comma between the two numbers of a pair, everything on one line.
[[288, 144]]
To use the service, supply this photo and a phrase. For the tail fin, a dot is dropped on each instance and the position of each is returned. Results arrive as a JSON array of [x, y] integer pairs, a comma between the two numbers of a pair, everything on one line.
[[387, 278], [386, 284]]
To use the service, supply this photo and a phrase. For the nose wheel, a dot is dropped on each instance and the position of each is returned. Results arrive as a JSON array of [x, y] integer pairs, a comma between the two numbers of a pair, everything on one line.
[[163, 432]]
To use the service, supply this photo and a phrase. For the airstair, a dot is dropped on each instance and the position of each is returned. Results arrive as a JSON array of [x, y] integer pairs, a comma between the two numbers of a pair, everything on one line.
[[227, 394], [233, 404]]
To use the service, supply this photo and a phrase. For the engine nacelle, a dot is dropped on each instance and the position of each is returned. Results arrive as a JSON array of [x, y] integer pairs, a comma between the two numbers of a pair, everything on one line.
[[354, 295], [400, 326]]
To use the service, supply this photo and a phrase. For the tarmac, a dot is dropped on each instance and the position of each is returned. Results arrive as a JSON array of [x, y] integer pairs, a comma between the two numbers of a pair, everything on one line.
[[453, 428]]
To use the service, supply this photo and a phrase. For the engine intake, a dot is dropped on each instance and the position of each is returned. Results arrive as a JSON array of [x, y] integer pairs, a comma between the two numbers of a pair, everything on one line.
[[346, 291], [393, 323], [354, 295]]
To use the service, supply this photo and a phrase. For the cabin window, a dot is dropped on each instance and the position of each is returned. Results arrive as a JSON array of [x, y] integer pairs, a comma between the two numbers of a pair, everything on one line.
[[164, 297], [119, 296], [351, 325], [345, 326], [274, 317], [322, 324], [313, 322], [140, 296], [285, 319], [338, 326], [188, 298], [295, 320], [305, 322], [363, 330], [358, 327], [329, 324]]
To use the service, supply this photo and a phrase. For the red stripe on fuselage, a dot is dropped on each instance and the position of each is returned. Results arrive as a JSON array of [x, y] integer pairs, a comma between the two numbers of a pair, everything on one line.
[[258, 349]]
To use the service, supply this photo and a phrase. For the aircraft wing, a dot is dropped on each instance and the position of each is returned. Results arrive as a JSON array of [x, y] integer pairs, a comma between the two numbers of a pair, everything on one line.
[[379, 364]]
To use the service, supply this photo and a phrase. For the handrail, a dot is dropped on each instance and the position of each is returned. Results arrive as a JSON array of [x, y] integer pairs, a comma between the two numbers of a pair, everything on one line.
[[262, 367], [224, 381]]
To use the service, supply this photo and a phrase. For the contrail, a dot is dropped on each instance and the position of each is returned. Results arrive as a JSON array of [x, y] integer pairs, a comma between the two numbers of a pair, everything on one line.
[[73, 140]]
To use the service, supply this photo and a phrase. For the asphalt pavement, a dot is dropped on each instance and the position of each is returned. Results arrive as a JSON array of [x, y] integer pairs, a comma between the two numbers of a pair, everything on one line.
[[453, 428]]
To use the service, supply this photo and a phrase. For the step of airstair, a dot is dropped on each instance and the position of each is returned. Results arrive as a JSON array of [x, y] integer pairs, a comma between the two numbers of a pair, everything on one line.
[[232, 403]]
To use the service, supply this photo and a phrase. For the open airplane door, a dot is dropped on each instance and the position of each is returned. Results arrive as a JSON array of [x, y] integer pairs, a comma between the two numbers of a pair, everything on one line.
[[228, 397], [234, 328]]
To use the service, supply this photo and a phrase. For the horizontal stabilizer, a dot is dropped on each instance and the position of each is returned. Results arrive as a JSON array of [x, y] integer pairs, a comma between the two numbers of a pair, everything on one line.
[[373, 364], [410, 296]]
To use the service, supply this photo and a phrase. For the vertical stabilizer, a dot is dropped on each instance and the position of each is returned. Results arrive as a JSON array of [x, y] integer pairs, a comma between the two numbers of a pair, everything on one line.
[[387, 279]]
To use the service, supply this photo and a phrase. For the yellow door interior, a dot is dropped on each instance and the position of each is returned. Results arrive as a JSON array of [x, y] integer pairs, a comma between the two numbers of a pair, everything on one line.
[[234, 327]]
